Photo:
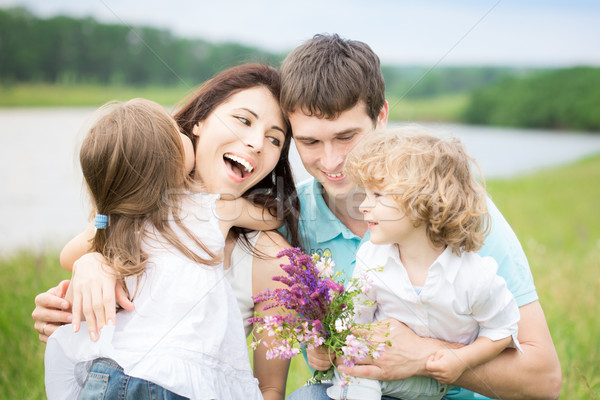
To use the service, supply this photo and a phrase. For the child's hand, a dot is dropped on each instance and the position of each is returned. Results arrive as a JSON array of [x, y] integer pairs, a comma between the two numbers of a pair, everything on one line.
[[94, 291], [445, 366], [320, 358]]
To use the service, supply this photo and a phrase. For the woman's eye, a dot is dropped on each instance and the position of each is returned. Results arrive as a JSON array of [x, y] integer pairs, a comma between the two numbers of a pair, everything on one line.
[[275, 141], [243, 120]]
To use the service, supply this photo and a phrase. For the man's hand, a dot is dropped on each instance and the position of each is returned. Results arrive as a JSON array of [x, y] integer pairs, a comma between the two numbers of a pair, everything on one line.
[[320, 358], [51, 311], [405, 358]]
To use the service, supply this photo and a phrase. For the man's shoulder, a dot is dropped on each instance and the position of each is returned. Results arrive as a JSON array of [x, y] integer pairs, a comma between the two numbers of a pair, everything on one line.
[[306, 187]]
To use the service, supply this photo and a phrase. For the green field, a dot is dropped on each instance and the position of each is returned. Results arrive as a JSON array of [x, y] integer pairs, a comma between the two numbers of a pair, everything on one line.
[[554, 213], [49, 95], [447, 108]]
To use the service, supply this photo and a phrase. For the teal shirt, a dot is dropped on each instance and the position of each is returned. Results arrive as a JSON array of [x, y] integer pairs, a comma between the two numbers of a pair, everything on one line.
[[321, 230]]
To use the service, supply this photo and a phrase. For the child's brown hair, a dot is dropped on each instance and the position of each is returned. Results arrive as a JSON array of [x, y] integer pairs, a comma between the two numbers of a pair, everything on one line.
[[133, 163], [430, 178]]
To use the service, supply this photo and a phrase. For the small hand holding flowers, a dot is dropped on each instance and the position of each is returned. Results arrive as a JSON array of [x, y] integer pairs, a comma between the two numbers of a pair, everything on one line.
[[323, 315]]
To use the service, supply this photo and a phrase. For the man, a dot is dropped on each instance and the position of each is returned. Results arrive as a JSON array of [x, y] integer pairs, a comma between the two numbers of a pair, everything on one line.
[[333, 94]]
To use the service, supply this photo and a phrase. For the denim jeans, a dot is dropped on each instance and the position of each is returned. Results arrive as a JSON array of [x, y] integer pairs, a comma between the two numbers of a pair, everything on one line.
[[106, 380]]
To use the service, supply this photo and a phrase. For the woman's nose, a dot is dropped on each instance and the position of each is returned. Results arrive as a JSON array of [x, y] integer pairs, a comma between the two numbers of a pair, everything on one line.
[[254, 140]]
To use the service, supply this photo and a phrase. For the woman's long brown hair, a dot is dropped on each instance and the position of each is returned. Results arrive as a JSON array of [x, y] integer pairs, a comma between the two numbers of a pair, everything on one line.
[[277, 190]]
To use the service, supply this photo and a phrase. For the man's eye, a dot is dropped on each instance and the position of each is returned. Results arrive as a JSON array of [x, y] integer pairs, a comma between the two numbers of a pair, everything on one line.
[[346, 138], [377, 194]]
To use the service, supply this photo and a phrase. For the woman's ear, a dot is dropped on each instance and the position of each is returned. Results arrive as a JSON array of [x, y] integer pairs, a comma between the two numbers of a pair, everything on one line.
[[196, 129]]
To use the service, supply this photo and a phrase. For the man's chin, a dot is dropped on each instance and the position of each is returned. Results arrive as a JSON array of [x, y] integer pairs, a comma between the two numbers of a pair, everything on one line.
[[337, 189]]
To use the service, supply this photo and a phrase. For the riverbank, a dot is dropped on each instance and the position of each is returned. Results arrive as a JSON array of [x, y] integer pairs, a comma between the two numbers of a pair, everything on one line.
[[553, 213]]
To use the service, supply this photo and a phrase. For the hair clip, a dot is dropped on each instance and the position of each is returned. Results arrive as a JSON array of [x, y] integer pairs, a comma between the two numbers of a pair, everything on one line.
[[100, 221]]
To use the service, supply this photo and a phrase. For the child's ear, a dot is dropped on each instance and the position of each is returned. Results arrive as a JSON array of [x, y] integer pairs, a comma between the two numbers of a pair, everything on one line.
[[188, 153]]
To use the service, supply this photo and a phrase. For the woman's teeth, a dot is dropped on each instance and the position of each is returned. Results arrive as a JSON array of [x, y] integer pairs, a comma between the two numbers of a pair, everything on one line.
[[240, 161]]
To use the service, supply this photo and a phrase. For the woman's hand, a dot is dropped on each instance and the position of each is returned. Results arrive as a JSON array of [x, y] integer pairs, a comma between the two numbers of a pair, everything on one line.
[[95, 292], [51, 311]]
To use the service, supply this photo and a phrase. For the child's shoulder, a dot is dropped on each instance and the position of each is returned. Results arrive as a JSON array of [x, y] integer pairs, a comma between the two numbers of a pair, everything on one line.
[[477, 268]]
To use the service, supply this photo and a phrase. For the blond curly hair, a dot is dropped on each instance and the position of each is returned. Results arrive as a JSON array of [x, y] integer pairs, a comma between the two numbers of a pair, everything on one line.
[[430, 179]]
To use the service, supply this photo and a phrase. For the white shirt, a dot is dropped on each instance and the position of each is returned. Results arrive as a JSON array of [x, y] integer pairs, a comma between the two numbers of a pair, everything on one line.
[[462, 297], [186, 333]]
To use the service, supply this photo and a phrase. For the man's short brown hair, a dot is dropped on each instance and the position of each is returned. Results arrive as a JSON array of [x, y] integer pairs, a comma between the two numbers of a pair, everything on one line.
[[328, 75]]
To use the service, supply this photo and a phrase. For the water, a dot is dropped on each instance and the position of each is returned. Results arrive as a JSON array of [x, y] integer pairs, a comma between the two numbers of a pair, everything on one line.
[[42, 204]]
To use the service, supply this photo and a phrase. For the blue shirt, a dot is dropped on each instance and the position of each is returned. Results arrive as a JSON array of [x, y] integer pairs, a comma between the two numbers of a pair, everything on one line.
[[321, 230]]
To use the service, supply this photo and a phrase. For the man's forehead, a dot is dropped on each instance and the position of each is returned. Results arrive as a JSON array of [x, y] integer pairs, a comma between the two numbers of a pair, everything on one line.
[[354, 120]]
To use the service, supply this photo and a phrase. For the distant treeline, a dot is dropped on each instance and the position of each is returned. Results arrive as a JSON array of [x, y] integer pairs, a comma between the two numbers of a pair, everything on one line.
[[64, 50], [560, 99], [70, 50]]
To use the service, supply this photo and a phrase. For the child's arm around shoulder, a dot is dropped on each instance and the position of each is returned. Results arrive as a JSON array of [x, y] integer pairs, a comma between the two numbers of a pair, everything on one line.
[[77, 247], [240, 212]]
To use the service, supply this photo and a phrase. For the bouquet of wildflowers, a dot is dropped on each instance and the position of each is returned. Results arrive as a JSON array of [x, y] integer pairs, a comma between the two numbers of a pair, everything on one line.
[[323, 312]]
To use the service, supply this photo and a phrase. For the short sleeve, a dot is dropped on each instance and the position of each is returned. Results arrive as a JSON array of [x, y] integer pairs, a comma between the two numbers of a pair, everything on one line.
[[503, 246], [492, 305]]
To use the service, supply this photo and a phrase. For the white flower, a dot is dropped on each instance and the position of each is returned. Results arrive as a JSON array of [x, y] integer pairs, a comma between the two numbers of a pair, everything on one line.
[[341, 325], [325, 266]]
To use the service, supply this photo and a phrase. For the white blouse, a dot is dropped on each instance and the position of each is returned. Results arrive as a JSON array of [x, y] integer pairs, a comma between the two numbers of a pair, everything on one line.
[[185, 334], [462, 297]]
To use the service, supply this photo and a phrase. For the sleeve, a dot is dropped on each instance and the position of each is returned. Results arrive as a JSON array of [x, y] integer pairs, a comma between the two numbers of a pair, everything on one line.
[[365, 303], [492, 305], [503, 246]]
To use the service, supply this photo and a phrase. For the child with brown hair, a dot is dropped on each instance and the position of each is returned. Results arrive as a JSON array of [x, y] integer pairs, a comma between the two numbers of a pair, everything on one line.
[[427, 217], [164, 239]]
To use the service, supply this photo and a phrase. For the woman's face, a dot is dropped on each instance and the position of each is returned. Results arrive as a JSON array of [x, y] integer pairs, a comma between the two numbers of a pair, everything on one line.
[[240, 142]]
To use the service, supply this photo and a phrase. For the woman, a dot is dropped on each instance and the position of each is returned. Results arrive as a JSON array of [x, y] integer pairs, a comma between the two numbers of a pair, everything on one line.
[[232, 115]]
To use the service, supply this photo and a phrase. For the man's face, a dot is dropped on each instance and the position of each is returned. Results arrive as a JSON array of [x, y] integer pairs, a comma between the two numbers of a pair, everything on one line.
[[323, 144]]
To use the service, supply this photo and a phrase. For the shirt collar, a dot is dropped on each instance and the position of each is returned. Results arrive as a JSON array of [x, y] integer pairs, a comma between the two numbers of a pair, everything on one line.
[[330, 226], [449, 263]]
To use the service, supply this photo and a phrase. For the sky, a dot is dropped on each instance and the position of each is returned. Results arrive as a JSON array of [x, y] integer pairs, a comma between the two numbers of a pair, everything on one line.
[[436, 32]]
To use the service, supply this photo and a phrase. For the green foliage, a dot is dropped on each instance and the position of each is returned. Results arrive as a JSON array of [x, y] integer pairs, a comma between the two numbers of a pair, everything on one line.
[[69, 50], [555, 215], [66, 51], [559, 99], [426, 82], [22, 354]]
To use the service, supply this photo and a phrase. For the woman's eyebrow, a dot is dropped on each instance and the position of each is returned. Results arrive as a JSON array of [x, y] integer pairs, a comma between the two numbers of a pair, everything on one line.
[[250, 111]]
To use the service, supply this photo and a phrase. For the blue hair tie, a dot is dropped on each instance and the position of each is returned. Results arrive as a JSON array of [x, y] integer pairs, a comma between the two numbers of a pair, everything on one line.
[[100, 221]]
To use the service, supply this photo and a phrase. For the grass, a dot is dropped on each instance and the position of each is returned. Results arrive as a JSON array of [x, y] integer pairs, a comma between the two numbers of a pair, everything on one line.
[[447, 108], [554, 213], [50, 95]]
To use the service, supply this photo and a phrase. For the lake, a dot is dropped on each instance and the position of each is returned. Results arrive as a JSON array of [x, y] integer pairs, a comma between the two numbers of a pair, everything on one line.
[[42, 203]]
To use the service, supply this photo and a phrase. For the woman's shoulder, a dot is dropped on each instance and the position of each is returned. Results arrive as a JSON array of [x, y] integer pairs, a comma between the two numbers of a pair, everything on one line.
[[265, 264]]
